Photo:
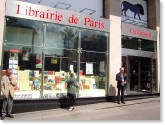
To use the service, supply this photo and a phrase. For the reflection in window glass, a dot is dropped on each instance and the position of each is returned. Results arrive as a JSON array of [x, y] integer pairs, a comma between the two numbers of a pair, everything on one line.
[[24, 32], [147, 45], [129, 42], [94, 41], [138, 44], [58, 36]]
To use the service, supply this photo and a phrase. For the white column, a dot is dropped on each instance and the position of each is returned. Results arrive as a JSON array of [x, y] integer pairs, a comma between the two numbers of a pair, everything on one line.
[[157, 2], [158, 59], [114, 52], [2, 18]]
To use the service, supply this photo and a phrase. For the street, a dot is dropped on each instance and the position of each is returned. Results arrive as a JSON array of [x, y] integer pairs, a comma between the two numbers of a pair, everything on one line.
[[143, 109]]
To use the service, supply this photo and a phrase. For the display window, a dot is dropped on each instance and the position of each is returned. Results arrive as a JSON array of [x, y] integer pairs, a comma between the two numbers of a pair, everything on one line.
[[93, 63], [41, 55]]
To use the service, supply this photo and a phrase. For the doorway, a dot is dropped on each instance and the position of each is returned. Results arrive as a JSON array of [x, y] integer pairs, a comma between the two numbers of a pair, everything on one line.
[[139, 72]]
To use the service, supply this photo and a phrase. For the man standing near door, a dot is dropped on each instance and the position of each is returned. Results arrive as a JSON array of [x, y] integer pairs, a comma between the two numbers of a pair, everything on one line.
[[8, 82], [121, 81]]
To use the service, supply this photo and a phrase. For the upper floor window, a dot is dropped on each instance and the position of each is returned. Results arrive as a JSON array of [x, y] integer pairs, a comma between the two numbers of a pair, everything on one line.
[[138, 44]]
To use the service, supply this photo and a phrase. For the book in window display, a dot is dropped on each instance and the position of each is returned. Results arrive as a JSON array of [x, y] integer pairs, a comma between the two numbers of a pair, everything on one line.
[[36, 73], [13, 62]]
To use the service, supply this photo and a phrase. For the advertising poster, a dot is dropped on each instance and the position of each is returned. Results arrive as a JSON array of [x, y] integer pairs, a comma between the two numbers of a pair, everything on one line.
[[53, 60], [134, 12], [38, 61], [89, 68], [25, 53], [71, 68]]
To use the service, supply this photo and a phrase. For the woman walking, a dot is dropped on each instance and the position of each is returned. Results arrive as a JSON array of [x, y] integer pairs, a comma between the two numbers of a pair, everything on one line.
[[71, 91]]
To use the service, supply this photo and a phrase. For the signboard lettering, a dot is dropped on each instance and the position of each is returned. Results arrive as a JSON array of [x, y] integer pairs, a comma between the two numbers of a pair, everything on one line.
[[140, 33], [47, 14]]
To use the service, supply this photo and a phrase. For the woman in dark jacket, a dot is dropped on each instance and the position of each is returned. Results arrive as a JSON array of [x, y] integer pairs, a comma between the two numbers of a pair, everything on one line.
[[71, 91]]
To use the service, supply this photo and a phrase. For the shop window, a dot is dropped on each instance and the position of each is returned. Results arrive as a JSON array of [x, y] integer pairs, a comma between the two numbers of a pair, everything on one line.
[[138, 44], [93, 63], [41, 55]]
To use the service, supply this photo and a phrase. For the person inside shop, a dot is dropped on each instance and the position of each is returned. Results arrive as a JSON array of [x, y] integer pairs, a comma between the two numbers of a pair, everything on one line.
[[71, 90], [121, 82], [8, 82]]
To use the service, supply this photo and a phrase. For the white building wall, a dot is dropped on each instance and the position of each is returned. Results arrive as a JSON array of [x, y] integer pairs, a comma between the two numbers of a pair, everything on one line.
[[2, 13], [115, 53]]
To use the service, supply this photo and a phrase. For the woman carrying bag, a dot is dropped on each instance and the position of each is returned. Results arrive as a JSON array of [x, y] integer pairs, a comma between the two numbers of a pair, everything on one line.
[[71, 91]]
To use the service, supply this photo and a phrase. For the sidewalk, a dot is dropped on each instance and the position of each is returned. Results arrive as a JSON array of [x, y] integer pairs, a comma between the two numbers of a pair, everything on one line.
[[81, 111]]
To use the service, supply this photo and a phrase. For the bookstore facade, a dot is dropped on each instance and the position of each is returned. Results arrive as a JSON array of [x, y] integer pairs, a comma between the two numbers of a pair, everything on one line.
[[42, 44]]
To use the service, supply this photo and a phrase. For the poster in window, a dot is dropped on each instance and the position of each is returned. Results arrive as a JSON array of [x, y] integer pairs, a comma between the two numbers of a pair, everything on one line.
[[13, 56], [71, 68], [38, 61], [89, 68], [53, 61], [25, 53]]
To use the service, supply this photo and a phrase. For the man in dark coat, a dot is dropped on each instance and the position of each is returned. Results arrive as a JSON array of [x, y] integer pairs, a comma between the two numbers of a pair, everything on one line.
[[121, 81]]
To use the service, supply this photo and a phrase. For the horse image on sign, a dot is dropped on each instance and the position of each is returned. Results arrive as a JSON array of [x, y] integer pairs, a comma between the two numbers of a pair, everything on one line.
[[137, 9]]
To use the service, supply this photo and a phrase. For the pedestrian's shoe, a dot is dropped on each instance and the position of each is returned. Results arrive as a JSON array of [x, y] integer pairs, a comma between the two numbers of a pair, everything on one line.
[[71, 109], [10, 115], [118, 102], [3, 117], [123, 102]]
